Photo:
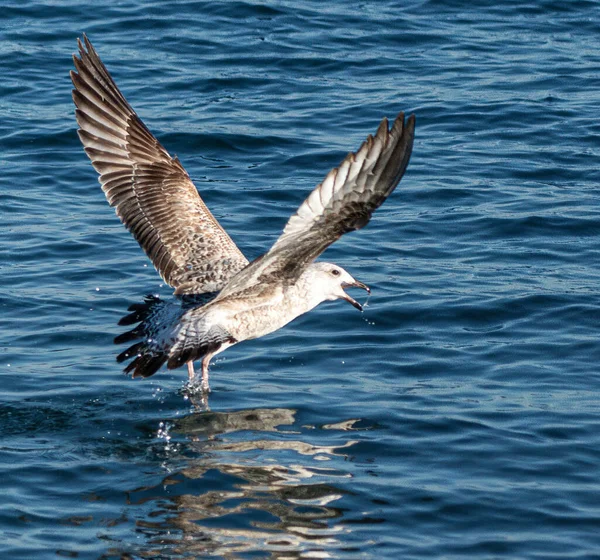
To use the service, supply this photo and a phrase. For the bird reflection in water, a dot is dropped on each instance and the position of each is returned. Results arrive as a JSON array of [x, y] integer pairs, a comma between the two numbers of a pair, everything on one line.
[[244, 493]]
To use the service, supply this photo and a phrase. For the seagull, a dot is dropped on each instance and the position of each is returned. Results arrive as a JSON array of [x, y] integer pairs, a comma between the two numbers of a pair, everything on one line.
[[222, 298]]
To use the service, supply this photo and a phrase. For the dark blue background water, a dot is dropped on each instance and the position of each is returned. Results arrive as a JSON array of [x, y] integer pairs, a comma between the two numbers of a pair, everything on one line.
[[457, 418]]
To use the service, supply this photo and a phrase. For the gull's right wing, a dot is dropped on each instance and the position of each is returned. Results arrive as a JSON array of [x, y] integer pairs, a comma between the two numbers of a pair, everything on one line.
[[151, 191], [343, 202]]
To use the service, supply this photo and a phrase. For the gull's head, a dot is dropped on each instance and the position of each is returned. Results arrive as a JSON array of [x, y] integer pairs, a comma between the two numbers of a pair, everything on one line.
[[330, 282]]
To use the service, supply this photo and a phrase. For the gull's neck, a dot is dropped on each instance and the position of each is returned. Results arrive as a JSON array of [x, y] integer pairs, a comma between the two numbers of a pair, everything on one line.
[[307, 292]]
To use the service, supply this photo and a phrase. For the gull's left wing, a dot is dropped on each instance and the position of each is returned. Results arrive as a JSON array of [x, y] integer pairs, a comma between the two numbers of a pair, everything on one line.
[[150, 190]]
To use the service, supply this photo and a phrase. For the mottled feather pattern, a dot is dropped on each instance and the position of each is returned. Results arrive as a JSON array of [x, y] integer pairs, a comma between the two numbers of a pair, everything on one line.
[[151, 191], [197, 338]]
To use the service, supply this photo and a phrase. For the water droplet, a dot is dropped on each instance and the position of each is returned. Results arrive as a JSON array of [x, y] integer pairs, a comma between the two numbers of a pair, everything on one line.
[[163, 433]]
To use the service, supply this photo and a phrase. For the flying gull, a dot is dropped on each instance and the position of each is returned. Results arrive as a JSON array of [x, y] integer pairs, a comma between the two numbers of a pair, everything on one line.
[[223, 298]]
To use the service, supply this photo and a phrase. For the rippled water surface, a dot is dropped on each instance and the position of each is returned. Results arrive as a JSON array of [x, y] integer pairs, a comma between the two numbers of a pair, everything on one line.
[[456, 418]]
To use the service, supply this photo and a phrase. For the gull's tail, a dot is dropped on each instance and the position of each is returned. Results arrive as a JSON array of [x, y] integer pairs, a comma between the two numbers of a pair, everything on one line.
[[158, 321], [171, 332]]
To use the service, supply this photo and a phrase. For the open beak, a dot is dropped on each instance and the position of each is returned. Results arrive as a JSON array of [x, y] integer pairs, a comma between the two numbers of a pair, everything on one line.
[[355, 284]]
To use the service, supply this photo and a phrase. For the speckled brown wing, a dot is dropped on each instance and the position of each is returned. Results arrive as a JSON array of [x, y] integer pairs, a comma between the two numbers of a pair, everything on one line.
[[150, 190], [343, 202]]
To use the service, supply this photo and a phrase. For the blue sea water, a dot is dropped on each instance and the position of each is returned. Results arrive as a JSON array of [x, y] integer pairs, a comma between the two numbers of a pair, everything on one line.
[[456, 418]]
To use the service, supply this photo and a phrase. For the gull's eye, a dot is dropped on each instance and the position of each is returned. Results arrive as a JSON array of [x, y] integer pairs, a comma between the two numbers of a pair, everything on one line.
[[335, 272]]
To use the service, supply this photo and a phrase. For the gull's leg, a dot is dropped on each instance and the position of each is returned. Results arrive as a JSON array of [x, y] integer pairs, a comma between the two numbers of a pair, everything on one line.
[[198, 398], [200, 402], [205, 361], [191, 372]]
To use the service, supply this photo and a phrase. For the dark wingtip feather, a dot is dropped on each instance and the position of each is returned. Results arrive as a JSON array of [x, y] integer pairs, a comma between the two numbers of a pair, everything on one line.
[[128, 320], [146, 365], [140, 311], [382, 129], [128, 336], [143, 364], [179, 359], [130, 352], [392, 169]]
